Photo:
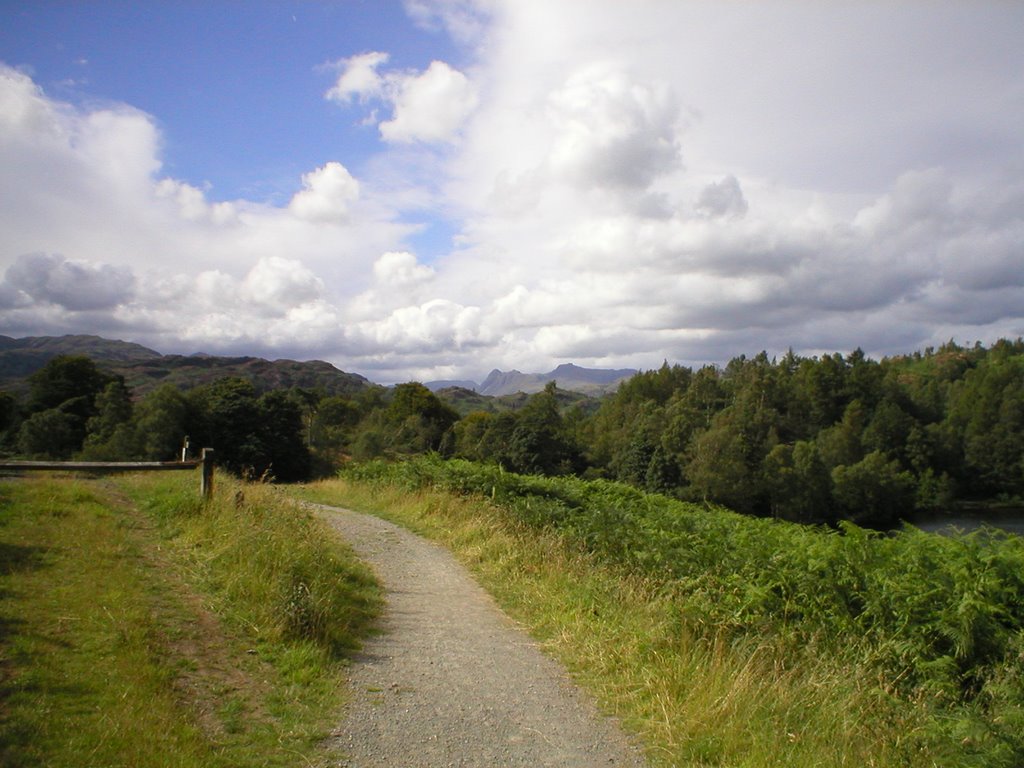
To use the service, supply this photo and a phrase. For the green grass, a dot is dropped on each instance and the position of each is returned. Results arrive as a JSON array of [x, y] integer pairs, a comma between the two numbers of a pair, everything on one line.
[[723, 640], [141, 628]]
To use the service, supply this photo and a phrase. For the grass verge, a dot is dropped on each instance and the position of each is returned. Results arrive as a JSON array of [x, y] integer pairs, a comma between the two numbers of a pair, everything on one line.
[[692, 700], [139, 627]]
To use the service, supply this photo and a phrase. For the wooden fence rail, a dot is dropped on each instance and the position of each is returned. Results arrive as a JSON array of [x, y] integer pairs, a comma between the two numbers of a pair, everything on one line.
[[206, 462]]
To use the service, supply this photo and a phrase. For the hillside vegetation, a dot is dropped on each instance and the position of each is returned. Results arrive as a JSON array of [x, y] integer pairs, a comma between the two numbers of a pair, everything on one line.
[[812, 440], [823, 646], [143, 369]]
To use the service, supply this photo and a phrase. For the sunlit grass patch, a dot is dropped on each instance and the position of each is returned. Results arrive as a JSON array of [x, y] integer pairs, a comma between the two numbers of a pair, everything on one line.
[[164, 636]]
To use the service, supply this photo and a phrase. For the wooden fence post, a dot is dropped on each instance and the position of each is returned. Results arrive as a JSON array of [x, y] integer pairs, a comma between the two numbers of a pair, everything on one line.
[[206, 484]]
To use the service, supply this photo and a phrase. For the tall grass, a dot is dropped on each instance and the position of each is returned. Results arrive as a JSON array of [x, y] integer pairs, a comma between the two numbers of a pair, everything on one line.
[[270, 567], [168, 633], [743, 641]]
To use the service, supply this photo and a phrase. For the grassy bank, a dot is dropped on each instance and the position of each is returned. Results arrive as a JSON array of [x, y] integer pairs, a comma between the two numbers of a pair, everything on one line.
[[141, 628], [726, 640]]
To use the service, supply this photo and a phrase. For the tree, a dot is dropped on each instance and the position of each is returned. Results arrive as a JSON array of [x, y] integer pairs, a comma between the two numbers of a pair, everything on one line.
[[722, 466], [163, 419], [798, 483], [471, 436], [53, 434], [64, 378], [286, 455], [841, 443], [229, 421], [67, 388], [540, 442], [333, 422], [113, 407], [417, 419], [9, 419], [874, 491]]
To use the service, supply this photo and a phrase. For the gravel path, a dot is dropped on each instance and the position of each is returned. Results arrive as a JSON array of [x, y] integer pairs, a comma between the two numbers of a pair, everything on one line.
[[451, 681]]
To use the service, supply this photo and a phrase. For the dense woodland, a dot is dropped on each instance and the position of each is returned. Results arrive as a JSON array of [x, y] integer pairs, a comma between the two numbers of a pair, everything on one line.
[[809, 439]]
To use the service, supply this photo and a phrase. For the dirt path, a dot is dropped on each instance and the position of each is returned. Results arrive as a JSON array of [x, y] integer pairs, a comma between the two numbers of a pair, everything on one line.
[[452, 681]]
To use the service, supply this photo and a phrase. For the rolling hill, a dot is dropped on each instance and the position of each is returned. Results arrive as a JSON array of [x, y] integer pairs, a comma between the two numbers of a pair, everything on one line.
[[145, 369]]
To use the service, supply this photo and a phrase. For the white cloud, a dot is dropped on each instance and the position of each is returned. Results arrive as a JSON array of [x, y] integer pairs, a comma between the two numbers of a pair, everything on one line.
[[611, 130], [193, 205], [465, 20], [278, 285], [629, 182], [400, 268], [327, 194], [723, 198], [72, 285], [428, 106], [358, 78], [431, 106]]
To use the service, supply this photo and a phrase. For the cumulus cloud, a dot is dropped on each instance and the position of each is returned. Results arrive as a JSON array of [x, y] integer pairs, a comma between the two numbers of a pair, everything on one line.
[[359, 78], [150, 257], [611, 130], [428, 106], [621, 195], [192, 204], [76, 286], [326, 195], [722, 198], [278, 285], [400, 268]]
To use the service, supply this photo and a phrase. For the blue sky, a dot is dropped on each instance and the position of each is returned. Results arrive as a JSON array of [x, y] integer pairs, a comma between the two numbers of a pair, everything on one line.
[[237, 89], [434, 188]]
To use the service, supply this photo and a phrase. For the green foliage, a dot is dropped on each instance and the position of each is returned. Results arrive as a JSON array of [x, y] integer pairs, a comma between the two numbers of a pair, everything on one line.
[[281, 434], [64, 378], [162, 420], [540, 442], [333, 421], [8, 411], [53, 433], [798, 482], [952, 420], [874, 490], [413, 420], [110, 435], [253, 436], [938, 621], [64, 398]]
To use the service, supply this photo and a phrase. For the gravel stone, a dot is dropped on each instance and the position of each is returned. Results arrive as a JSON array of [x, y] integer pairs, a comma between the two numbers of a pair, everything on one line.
[[451, 680]]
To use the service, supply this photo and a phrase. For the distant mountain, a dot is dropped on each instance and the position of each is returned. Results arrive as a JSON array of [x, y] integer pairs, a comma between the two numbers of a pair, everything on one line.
[[466, 401], [436, 386], [144, 369], [589, 381]]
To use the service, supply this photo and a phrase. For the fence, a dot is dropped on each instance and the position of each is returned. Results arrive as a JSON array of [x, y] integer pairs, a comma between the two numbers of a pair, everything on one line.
[[205, 461]]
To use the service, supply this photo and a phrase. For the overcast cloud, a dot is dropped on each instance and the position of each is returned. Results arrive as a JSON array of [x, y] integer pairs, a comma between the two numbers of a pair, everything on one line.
[[629, 182]]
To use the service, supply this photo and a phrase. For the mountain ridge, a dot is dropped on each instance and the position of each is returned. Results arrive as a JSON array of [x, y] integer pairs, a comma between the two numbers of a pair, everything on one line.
[[145, 369], [568, 376]]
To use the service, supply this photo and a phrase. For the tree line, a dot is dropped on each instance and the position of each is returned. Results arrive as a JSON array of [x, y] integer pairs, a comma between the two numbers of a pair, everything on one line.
[[809, 439], [825, 438]]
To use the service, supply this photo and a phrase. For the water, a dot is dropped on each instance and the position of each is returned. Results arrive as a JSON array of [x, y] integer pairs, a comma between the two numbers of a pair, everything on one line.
[[1007, 519]]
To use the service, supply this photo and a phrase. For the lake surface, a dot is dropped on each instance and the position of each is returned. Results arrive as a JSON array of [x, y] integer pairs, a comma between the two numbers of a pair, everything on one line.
[[1011, 520]]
